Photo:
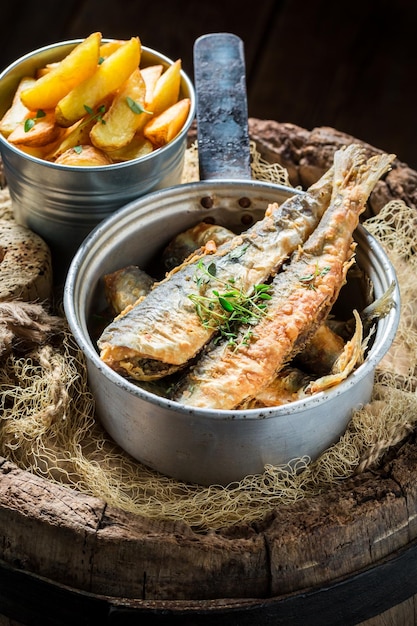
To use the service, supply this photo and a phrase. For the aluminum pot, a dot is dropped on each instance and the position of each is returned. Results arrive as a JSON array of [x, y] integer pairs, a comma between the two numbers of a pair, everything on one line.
[[200, 445], [63, 203]]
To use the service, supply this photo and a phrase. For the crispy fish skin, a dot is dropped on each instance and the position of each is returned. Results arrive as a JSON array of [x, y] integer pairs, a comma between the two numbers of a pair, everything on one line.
[[125, 286], [302, 296], [322, 351], [287, 387], [292, 384], [187, 242], [160, 334]]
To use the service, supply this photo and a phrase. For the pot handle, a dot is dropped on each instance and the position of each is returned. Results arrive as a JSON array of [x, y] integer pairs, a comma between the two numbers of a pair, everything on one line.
[[222, 111]]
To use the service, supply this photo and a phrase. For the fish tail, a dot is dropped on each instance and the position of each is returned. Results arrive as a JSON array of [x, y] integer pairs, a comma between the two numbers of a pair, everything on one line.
[[374, 169], [351, 167]]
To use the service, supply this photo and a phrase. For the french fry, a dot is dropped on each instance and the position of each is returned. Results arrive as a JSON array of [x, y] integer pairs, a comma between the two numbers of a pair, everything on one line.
[[76, 67], [17, 110], [138, 147], [118, 125], [43, 131], [107, 78], [164, 127], [167, 89], [83, 156]]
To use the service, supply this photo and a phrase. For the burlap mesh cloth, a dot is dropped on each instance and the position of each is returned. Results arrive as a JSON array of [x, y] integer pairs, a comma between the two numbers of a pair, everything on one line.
[[48, 425]]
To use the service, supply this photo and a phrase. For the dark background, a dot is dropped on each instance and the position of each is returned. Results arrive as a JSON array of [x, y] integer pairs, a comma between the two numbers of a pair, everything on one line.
[[349, 65]]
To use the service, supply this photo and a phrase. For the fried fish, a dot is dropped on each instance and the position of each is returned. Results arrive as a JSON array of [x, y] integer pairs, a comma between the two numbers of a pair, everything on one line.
[[301, 296], [160, 334]]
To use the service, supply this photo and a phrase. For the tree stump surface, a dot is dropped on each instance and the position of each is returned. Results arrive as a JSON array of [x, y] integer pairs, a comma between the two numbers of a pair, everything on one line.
[[131, 563]]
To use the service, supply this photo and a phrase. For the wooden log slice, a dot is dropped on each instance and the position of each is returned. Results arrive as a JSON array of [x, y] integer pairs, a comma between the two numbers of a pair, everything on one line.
[[25, 264], [348, 556], [308, 154]]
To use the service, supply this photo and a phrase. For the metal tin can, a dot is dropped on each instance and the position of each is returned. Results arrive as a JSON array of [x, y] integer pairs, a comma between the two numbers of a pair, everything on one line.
[[64, 203]]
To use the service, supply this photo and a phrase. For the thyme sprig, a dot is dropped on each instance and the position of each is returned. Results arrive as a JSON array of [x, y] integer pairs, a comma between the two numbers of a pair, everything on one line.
[[91, 117], [94, 115], [228, 310], [135, 106], [31, 121], [308, 280]]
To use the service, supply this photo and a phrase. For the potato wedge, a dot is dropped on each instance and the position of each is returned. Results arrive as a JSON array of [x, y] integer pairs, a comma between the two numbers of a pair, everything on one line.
[[151, 75], [40, 152], [77, 66], [164, 127], [166, 94], [46, 69], [138, 147], [17, 111], [167, 89], [83, 156], [118, 125], [108, 47], [108, 77], [43, 131], [76, 135]]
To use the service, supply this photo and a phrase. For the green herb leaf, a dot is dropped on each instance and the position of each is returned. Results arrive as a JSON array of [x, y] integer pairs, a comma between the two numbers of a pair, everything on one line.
[[95, 115], [308, 279], [29, 123], [227, 306], [134, 106], [230, 311], [212, 269]]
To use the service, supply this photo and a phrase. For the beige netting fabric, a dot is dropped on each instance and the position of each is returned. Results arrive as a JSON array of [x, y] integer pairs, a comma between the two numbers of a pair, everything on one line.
[[261, 169], [48, 425]]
